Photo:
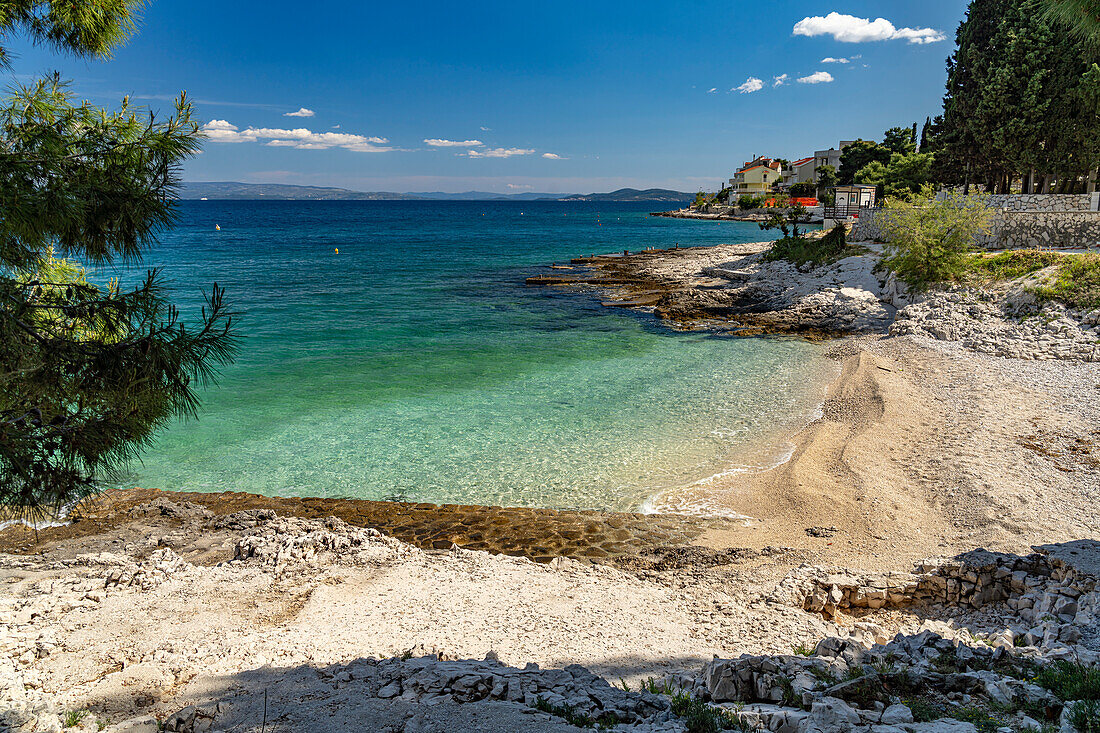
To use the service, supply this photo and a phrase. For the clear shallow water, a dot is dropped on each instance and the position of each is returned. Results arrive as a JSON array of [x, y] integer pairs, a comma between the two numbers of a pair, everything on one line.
[[416, 365]]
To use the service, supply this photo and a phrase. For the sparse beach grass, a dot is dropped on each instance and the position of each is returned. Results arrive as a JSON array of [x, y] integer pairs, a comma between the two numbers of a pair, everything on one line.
[[981, 268], [1076, 282]]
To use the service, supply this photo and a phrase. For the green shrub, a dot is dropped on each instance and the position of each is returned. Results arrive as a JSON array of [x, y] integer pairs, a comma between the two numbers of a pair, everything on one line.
[[801, 250], [804, 190], [1070, 680], [803, 650], [925, 710], [747, 202], [652, 686], [824, 675], [983, 268], [1085, 716], [699, 717], [978, 717], [73, 718], [929, 238], [571, 716]]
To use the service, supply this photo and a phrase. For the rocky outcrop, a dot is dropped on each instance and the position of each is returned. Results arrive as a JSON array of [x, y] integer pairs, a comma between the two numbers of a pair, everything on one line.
[[844, 297], [286, 542], [1011, 324]]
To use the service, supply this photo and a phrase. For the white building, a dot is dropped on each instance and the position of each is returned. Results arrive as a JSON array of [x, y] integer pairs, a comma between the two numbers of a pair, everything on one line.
[[829, 157]]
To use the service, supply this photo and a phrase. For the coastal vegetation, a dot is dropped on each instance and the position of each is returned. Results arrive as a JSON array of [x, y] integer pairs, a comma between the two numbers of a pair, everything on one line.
[[932, 241], [1076, 282], [931, 235], [1081, 16], [785, 218], [815, 251], [747, 202], [88, 373]]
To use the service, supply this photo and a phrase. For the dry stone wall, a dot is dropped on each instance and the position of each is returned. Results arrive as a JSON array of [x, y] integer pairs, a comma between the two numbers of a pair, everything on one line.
[[973, 580], [1052, 226], [1043, 203]]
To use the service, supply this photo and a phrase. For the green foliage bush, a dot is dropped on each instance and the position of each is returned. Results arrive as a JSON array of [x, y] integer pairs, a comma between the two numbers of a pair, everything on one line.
[[1070, 680], [747, 202], [930, 238], [1085, 716], [699, 717], [801, 250], [571, 716], [803, 190], [982, 268]]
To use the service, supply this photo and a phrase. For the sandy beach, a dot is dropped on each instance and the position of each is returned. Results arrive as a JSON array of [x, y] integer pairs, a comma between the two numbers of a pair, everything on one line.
[[152, 601]]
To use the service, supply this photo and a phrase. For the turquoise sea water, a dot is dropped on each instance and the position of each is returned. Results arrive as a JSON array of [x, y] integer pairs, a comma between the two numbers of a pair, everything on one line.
[[416, 365]]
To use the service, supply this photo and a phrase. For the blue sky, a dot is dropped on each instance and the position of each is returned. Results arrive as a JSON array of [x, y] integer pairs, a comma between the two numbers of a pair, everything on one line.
[[559, 97]]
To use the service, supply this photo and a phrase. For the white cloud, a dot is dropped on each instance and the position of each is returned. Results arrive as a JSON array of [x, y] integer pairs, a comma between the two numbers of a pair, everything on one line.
[[486, 129], [552, 156], [920, 36], [221, 131], [781, 80], [850, 29], [439, 143], [302, 112], [712, 90], [752, 84], [818, 77], [519, 186], [499, 152], [831, 60]]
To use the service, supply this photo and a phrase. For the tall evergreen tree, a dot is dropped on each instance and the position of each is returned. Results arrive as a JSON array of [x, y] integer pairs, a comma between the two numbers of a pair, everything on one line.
[[900, 140], [88, 373], [925, 133], [1018, 98]]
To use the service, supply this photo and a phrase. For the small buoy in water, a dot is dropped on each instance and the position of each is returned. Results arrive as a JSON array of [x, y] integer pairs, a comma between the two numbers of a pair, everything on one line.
[[217, 227], [337, 250]]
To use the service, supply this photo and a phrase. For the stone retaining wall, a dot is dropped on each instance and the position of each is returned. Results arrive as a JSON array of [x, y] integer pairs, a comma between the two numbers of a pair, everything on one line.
[[1042, 203], [971, 580], [1011, 229], [1024, 229]]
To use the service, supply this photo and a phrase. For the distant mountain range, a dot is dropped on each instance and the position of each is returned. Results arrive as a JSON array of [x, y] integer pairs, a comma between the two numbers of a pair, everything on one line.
[[228, 190]]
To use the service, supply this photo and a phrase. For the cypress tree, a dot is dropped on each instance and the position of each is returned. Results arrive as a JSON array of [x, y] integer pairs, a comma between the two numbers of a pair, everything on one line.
[[1018, 98]]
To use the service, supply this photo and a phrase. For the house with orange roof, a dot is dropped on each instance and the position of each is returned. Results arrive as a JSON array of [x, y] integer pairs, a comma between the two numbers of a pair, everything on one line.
[[757, 177], [800, 171]]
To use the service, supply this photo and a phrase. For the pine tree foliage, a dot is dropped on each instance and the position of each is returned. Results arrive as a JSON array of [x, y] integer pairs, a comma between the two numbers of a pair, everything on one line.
[[88, 373], [1082, 17]]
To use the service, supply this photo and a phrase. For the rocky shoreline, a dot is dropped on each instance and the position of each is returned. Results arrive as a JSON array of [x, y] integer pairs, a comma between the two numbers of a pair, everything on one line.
[[953, 644], [823, 612], [733, 289]]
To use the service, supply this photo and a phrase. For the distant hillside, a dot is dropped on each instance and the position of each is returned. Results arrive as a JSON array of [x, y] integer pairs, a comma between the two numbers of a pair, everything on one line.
[[633, 194], [485, 196], [252, 191], [228, 190]]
